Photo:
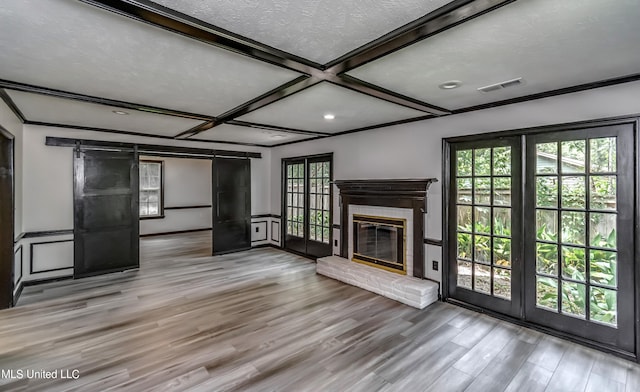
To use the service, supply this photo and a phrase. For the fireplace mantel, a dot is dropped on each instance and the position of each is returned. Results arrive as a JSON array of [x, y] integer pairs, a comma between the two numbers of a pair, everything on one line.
[[407, 188], [400, 193]]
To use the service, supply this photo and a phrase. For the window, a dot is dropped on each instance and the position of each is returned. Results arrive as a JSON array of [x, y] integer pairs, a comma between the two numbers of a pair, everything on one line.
[[151, 182]]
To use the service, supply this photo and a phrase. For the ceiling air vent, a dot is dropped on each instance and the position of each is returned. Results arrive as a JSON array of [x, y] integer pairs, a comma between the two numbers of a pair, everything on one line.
[[501, 85]]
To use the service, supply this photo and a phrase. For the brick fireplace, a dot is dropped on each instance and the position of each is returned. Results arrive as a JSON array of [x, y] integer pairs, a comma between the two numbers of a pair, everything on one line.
[[382, 231]]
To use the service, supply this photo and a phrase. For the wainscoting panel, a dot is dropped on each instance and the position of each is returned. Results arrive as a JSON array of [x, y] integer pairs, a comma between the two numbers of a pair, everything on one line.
[[17, 266], [41, 256], [265, 230], [51, 256], [259, 231], [336, 240], [275, 232], [433, 253]]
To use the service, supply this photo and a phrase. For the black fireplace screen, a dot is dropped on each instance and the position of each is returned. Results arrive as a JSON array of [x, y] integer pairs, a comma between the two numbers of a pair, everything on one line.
[[379, 241]]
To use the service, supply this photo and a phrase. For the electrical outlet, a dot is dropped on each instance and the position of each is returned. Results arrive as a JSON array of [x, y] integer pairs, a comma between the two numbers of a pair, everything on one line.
[[434, 265]]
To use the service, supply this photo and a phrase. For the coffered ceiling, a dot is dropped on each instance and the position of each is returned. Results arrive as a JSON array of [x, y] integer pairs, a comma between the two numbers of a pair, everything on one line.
[[72, 46], [307, 110], [242, 134], [550, 44], [40, 108], [268, 72], [318, 30]]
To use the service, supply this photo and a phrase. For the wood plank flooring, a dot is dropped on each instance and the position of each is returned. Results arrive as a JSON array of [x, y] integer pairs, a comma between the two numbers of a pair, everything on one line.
[[262, 320]]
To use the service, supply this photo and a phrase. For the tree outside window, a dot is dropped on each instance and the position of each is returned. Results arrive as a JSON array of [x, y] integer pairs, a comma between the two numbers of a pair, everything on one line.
[[150, 189]]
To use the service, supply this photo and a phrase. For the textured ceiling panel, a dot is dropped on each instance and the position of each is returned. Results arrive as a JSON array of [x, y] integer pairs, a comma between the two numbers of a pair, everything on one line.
[[240, 134], [318, 30], [72, 46], [43, 108], [306, 109], [549, 43]]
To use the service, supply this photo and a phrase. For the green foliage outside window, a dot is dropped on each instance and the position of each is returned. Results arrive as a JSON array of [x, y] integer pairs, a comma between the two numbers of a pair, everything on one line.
[[578, 167]]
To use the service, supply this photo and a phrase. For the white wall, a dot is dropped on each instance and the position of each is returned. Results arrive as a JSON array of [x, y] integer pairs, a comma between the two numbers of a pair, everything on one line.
[[261, 184], [187, 182], [414, 150]]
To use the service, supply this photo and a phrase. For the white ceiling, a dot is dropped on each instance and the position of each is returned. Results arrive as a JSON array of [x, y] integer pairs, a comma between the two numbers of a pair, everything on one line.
[[48, 109], [306, 109], [72, 46], [550, 43], [235, 133], [318, 30], [76, 47]]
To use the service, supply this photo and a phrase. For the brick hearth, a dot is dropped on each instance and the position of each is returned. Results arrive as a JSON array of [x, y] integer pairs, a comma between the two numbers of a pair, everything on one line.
[[402, 288]]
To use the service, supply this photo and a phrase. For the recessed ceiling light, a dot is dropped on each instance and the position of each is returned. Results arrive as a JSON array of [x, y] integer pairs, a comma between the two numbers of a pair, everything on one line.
[[329, 116], [451, 84], [278, 136], [120, 112]]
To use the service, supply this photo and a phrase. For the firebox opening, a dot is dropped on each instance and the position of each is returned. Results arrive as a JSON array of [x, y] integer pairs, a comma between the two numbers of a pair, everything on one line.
[[380, 242]]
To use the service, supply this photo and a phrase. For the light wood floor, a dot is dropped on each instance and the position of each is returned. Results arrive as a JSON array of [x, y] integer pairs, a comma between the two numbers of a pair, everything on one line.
[[263, 320]]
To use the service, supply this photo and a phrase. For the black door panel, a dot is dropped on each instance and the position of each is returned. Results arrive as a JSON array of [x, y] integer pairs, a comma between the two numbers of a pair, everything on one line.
[[6, 219], [232, 205], [106, 212], [101, 173], [110, 250]]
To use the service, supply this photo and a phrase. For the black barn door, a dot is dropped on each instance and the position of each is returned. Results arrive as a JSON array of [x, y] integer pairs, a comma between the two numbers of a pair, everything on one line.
[[6, 220], [231, 205], [106, 223]]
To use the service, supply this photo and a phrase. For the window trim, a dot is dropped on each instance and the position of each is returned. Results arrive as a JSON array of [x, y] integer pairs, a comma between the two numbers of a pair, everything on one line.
[[161, 204]]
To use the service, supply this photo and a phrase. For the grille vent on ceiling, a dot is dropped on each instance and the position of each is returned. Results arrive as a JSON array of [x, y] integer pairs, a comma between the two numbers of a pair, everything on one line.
[[501, 85]]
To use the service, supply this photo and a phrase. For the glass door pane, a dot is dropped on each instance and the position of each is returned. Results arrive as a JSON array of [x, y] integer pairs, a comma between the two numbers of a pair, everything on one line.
[[564, 282], [484, 178], [319, 212], [319, 201], [552, 244], [295, 200], [576, 256], [294, 205], [307, 205]]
